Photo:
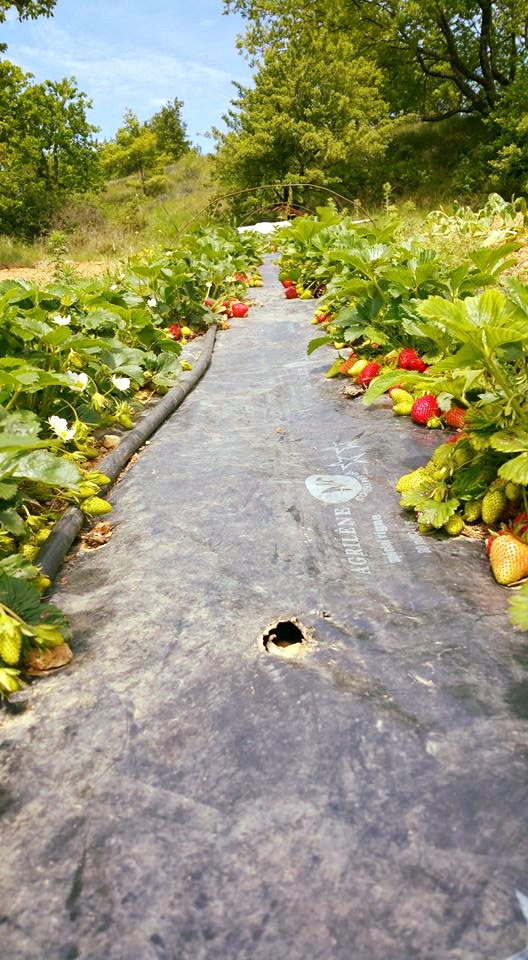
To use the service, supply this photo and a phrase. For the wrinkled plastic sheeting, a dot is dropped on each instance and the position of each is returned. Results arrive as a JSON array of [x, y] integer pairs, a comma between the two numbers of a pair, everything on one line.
[[183, 791]]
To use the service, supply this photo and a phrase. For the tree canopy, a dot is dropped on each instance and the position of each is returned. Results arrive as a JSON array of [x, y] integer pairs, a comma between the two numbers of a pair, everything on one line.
[[458, 56], [315, 114], [26, 10], [145, 148], [47, 149]]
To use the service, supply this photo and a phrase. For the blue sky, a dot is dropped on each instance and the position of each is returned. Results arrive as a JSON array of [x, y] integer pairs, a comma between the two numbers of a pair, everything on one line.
[[136, 54]]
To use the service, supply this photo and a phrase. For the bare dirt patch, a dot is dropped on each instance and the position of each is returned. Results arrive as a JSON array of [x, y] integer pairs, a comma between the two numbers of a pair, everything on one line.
[[43, 271]]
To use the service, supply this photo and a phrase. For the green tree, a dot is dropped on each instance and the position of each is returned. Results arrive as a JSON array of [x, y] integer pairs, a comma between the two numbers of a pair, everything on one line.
[[453, 56], [47, 150], [169, 130], [134, 150], [146, 148], [26, 9], [314, 114]]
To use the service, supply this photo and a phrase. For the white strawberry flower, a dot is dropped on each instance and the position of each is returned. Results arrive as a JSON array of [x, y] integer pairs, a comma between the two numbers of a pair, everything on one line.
[[120, 383], [60, 427], [78, 381], [60, 320], [152, 302]]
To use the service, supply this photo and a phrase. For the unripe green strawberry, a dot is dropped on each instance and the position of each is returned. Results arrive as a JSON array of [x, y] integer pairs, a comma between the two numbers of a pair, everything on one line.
[[461, 456], [434, 423], [398, 395], [29, 551], [472, 510], [42, 535], [410, 481], [88, 489], [425, 528], [125, 421], [439, 494], [512, 490], [10, 639], [358, 367], [94, 476], [41, 582], [478, 443], [493, 506], [454, 526], [404, 408], [95, 506]]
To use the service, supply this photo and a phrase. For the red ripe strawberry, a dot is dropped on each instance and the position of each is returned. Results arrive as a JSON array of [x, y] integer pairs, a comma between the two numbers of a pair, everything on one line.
[[455, 418], [239, 309], [208, 302], [175, 331], [368, 373], [416, 364], [290, 293], [241, 277], [406, 356], [288, 283], [456, 438], [324, 318], [424, 408]]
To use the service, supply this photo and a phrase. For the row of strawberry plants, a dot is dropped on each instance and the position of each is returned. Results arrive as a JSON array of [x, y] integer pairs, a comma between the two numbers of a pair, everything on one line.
[[75, 357], [448, 342]]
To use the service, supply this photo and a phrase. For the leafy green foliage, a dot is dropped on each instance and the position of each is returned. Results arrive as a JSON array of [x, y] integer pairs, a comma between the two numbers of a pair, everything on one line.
[[47, 152], [314, 115], [146, 148]]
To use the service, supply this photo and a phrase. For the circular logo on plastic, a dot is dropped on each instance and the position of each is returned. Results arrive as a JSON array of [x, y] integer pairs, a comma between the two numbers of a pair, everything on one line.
[[339, 488]]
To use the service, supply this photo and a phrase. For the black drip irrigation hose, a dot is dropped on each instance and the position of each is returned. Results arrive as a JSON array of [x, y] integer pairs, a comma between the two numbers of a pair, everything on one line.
[[51, 557]]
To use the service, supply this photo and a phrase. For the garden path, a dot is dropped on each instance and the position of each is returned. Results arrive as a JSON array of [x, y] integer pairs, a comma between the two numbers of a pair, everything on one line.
[[180, 793]]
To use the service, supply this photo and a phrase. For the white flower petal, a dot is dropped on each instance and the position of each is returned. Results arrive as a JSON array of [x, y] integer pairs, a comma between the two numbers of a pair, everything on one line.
[[120, 383], [79, 381], [60, 427]]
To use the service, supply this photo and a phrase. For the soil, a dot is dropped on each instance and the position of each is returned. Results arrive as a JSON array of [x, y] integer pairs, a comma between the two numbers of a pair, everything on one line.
[[43, 271]]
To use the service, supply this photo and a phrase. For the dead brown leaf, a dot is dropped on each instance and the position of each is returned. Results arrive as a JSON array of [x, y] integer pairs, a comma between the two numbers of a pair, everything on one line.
[[97, 535], [40, 662]]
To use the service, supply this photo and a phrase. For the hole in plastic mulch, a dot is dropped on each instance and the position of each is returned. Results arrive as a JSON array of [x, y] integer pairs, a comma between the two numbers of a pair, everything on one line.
[[286, 638]]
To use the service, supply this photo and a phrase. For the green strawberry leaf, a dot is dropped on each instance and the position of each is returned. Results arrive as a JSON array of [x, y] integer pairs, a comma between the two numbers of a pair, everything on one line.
[[381, 384], [435, 513], [316, 343], [44, 467], [516, 469], [17, 566], [519, 609], [21, 597], [510, 442], [8, 490], [12, 522]]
